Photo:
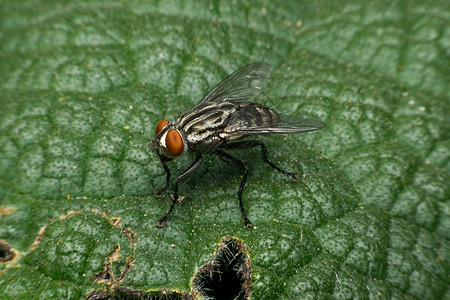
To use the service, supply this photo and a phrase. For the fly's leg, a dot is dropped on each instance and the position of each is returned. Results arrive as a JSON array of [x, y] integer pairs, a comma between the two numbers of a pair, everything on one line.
[[161, 190], [188, 172], [251, 144], [237, 164]]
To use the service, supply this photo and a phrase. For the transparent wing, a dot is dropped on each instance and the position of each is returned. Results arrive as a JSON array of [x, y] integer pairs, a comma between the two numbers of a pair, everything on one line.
[[258, 119], [242, 85], [291, 124]]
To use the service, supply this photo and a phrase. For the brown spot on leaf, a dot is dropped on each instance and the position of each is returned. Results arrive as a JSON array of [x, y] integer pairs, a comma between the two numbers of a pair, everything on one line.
[[39, 237], [114, 254], [127, 293], [7, 254], [107, 275], [6, 210], [114, 221]]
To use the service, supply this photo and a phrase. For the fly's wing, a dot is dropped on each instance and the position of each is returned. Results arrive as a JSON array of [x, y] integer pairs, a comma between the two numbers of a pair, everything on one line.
[[255, 118], [291, 124], [242, 85]]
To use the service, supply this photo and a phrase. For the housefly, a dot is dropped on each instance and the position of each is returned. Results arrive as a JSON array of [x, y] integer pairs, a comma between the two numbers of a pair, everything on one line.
[[219, 122]]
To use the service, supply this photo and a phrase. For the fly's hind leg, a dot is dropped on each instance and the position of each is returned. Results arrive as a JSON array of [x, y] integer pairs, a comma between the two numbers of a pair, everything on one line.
[[237, 164], [251, 144]]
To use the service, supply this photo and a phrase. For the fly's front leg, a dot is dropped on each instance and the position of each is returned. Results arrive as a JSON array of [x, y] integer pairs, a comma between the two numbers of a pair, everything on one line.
[[251, 144], [159, 192], [188, 172], [237, 164]]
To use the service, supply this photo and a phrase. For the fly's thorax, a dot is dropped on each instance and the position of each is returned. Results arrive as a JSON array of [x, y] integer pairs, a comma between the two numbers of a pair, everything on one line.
[[169, 141], [202, 124]]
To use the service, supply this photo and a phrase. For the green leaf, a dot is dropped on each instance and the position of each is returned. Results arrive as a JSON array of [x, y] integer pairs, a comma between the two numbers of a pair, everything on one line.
[[84, 83]]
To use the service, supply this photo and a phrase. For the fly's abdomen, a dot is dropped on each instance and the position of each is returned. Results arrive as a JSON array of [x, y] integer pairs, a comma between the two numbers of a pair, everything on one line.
[[250, 117]]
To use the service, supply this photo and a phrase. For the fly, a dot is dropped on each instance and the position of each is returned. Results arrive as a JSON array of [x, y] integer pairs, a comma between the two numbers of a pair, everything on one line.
[[219, 121]]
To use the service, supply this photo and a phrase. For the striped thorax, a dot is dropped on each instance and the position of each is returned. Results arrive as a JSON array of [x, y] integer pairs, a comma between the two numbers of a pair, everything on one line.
[[201, 126]]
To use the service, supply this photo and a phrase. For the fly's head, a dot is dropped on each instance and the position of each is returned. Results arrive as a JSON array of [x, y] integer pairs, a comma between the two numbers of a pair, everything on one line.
[[168, 141]]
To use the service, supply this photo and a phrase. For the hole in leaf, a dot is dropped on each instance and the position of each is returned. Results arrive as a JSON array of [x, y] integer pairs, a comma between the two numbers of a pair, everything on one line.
[[227, 275]]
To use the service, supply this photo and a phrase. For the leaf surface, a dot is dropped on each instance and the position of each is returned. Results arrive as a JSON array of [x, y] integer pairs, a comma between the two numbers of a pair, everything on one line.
[[84, 83]]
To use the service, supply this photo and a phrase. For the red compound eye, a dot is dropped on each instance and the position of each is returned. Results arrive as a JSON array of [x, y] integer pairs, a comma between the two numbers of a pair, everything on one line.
[[160, 126], [174, 142]]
